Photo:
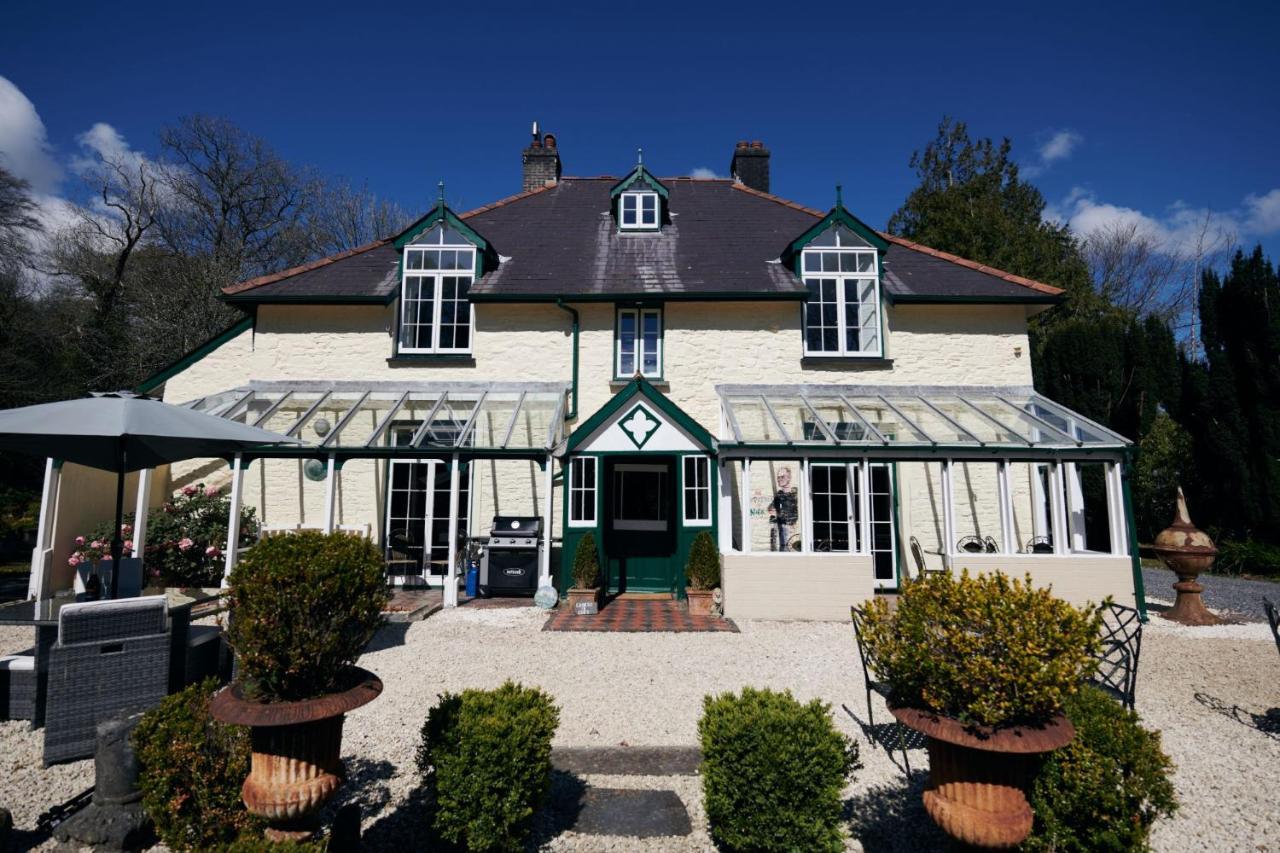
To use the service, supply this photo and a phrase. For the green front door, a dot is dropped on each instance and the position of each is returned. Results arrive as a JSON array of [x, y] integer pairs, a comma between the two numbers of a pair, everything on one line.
[[640, 523]]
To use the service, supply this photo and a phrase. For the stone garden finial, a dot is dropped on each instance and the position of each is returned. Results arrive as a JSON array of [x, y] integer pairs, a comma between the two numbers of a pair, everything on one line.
[[1188, 551]]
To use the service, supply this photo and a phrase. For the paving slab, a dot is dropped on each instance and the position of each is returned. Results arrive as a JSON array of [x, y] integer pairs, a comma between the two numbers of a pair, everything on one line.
[[633, 813], [628, 760]]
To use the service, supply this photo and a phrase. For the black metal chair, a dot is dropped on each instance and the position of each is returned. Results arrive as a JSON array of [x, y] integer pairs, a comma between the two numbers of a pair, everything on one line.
[[993, 547], [1038, 545], [1273, 616], [917, 554], [872, 682], [1116, 672], [971, 545]]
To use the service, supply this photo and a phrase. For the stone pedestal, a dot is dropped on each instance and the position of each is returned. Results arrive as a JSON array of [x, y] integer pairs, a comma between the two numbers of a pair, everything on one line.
[[115, 819]]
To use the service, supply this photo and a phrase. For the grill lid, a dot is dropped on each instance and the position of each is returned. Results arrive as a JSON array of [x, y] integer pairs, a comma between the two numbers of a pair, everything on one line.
[[516, 525]]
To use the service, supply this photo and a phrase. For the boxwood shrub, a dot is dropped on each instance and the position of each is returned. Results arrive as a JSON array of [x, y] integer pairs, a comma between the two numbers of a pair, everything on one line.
[[773, 771], [485, 759], [303, 607], [986, 650], [191, 768], [703, 571], [586, 565], [1103, 790]]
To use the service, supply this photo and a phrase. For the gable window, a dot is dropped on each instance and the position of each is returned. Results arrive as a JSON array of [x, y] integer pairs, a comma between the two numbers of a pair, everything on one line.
[[582, 491], [842, 315], [435, 315], [697, 490], [638, 211], [639, 344]]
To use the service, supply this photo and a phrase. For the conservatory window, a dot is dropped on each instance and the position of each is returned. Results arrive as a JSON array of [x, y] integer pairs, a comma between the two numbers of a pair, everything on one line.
[[435, 314], [842, 314], [638, 211]]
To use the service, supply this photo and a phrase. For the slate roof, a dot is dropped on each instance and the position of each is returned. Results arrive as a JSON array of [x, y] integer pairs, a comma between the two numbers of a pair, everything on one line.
[[722, 240]]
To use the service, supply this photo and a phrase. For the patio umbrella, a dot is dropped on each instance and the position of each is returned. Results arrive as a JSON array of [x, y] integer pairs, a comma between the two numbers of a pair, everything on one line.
[[125, 432]]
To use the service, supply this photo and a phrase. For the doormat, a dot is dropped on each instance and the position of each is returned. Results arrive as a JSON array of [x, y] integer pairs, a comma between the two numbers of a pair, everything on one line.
[[630, 616]]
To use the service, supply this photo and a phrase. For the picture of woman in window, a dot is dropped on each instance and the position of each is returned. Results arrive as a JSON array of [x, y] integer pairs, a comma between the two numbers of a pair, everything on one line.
[[784, 511]]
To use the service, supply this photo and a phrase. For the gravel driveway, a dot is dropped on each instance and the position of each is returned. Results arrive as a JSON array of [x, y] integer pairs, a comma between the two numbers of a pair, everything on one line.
[[1237, 597], [1207, 689]]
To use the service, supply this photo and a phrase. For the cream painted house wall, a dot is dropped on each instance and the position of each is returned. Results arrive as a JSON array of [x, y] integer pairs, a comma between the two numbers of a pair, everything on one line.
[[705, 344], [1080, 579], [795, 586]]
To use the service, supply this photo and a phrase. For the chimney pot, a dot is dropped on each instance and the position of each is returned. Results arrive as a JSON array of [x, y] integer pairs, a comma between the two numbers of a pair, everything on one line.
[[750, 165], [549, 140]]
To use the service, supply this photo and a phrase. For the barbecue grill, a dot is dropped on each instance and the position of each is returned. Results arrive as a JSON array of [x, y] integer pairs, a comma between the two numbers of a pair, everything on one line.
[[510, 563]]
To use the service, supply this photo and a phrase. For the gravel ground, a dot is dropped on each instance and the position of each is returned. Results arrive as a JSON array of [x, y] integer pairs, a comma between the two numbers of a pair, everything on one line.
[[1209, 690], [1240, 598]]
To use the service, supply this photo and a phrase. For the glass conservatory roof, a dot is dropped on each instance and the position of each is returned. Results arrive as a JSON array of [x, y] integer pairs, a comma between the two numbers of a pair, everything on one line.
[[967, 417], [368, 416]]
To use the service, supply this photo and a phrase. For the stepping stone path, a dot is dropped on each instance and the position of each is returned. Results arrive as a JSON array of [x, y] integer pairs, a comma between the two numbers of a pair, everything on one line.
[[631, 812]]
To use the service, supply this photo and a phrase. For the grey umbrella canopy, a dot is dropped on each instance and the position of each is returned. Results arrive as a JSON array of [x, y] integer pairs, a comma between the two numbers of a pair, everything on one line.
[[125, 432]]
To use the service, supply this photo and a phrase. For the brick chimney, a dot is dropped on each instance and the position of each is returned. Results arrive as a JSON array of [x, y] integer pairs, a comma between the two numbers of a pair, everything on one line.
[[750, 165], [541, 161]]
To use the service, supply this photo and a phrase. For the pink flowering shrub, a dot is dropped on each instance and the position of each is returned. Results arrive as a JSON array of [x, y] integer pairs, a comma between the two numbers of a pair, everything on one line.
[[186, 538]]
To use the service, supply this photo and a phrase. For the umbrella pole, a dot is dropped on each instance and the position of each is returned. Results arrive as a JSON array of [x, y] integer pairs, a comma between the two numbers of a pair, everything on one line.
[[117, 541]]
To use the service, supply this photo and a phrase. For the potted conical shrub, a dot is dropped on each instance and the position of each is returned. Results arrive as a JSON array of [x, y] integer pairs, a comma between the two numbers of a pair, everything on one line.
[[982, 667], [586, 576], [702, 574], [303, 607]]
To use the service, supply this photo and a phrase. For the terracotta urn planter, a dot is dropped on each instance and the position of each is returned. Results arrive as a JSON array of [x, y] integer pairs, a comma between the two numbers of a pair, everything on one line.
[[701, 601], [1187, 551], [580, 595], [296, 764], [979, 777]]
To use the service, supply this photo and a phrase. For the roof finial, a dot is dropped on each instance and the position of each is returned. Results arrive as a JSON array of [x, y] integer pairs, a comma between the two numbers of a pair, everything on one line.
[[839, 193], [440, 186], [639, 156]]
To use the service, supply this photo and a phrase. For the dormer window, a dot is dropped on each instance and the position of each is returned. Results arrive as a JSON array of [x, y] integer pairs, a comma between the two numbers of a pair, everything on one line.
[[435, 314], [638, 211], [842, 315]]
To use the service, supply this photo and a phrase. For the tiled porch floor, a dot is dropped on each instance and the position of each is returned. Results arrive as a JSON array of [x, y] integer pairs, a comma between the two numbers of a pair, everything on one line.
[[628, 615]]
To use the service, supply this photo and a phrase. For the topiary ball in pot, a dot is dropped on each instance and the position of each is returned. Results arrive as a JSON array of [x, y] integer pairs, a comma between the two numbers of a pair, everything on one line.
[[982, 666], [303, 607], [703, 574]]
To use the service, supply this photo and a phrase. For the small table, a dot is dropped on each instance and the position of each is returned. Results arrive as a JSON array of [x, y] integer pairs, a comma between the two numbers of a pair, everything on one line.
[[43, 616]]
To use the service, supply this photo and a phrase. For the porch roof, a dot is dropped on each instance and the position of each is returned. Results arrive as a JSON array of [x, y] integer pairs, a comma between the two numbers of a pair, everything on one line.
[[387, 418], [1000, 421]]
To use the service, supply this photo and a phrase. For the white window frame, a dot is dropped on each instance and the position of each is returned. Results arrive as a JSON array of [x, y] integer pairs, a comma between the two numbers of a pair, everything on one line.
[[860, 278], [436, 279], [702, 468], [639, 314], [576, 487], [640, 223]]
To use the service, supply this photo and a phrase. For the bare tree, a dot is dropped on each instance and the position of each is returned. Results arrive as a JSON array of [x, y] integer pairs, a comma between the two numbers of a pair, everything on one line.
[[346, 218], [18, 223]]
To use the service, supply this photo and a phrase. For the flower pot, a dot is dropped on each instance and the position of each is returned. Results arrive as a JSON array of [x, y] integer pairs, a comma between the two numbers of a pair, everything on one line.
[[296, 764], [979, 777], [579, 595], [701, 601]]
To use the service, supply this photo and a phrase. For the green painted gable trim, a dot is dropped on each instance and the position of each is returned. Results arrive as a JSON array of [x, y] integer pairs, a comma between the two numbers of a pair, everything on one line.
[[157, 379], [837, 216], [637, 174], [642, 388], [438, 213]]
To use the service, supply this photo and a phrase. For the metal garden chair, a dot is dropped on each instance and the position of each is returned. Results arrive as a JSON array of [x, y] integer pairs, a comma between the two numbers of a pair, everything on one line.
[[1273, 616], [1116, 672], [873, 683]]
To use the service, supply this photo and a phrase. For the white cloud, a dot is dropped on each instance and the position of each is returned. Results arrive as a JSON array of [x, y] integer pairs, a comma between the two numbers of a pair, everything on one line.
[[1059, 146], [704, 172], [1179, 227], [24, 146]]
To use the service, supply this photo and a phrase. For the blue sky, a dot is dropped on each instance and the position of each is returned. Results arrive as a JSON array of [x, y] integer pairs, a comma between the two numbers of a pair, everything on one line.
[[1157, 113]]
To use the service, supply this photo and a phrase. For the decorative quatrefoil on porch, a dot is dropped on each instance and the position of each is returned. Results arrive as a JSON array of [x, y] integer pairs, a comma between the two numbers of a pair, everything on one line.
[[639, 425]]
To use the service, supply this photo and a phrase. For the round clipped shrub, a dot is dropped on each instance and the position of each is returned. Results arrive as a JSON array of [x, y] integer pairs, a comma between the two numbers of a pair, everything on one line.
[[703, 570], [586, 564], [1105, 789], [773, 771], [486, 760], [303, 608], [190, 771], [985, 650]]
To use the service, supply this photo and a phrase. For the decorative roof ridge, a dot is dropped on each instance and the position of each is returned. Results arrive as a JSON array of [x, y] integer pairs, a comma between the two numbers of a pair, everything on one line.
[[1030, 283], [271, 278]]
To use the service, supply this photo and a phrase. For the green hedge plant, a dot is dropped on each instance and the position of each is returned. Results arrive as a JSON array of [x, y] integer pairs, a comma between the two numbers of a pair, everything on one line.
[[773, 772], [485, 759], [703, 571], [586, 564], [303, 607], [1104, 790], [191, 768], [985, 650]]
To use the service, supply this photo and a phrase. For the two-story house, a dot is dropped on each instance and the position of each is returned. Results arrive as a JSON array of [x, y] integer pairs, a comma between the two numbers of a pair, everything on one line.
[[646, 358]]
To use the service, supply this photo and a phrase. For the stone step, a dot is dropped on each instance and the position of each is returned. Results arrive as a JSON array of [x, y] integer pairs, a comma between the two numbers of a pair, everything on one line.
[[632, 813]]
